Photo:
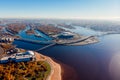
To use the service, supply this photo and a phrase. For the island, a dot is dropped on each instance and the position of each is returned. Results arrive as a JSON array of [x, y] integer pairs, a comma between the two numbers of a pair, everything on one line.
[[14, 28], [30, 31], [63, 37]]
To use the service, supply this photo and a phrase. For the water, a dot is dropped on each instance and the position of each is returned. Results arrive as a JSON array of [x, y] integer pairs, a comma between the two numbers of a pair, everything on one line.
[[33, 37], [92, 62], [83, 31]]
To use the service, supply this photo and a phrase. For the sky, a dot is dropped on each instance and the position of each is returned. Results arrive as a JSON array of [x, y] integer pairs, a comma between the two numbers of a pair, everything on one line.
[[65, 9]]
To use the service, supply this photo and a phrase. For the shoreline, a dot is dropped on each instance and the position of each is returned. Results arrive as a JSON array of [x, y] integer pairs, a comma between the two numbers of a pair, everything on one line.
[[68, 72], [56, 70], [59, 70]]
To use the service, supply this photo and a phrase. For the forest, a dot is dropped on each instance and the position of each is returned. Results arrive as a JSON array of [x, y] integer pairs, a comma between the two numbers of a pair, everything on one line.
[[37, 70]]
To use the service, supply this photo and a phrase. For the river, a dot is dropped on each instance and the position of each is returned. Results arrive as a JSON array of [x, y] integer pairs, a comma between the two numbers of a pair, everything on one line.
[[99, 61]]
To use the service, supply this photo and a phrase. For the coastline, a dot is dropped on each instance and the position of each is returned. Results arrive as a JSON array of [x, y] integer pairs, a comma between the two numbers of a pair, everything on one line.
[[59, 71], [68, 73], [56, 70]]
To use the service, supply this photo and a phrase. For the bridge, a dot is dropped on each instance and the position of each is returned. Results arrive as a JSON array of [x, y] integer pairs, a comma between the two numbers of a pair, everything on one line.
[[46, 47], [52, 43], [47, 43]]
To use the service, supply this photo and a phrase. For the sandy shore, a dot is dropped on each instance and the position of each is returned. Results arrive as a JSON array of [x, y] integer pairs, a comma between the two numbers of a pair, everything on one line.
[[68, 73], [59, 71], [56, 71]]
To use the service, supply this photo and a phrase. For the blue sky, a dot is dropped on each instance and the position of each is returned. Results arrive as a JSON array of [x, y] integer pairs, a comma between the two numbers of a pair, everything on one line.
[[97, 9]]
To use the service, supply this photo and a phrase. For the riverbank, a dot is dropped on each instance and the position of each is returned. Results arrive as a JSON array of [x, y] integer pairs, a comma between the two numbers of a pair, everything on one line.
[[68, 73], [59, 71], [55, 73]]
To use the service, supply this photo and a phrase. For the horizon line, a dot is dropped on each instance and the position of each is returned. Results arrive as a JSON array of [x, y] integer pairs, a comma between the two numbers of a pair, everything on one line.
[[74, 18]]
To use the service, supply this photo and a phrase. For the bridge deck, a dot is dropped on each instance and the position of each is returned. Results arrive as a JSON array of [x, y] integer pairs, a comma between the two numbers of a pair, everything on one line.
[[46, 47]]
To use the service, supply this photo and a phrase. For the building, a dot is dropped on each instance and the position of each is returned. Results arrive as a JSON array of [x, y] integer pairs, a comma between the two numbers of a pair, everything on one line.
[[65, 35], [12, 50], [19, 57], [6, 39]]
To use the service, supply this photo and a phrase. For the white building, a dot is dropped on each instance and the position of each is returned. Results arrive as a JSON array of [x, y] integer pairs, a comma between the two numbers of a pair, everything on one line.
[[6, 39], [19, 57]]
